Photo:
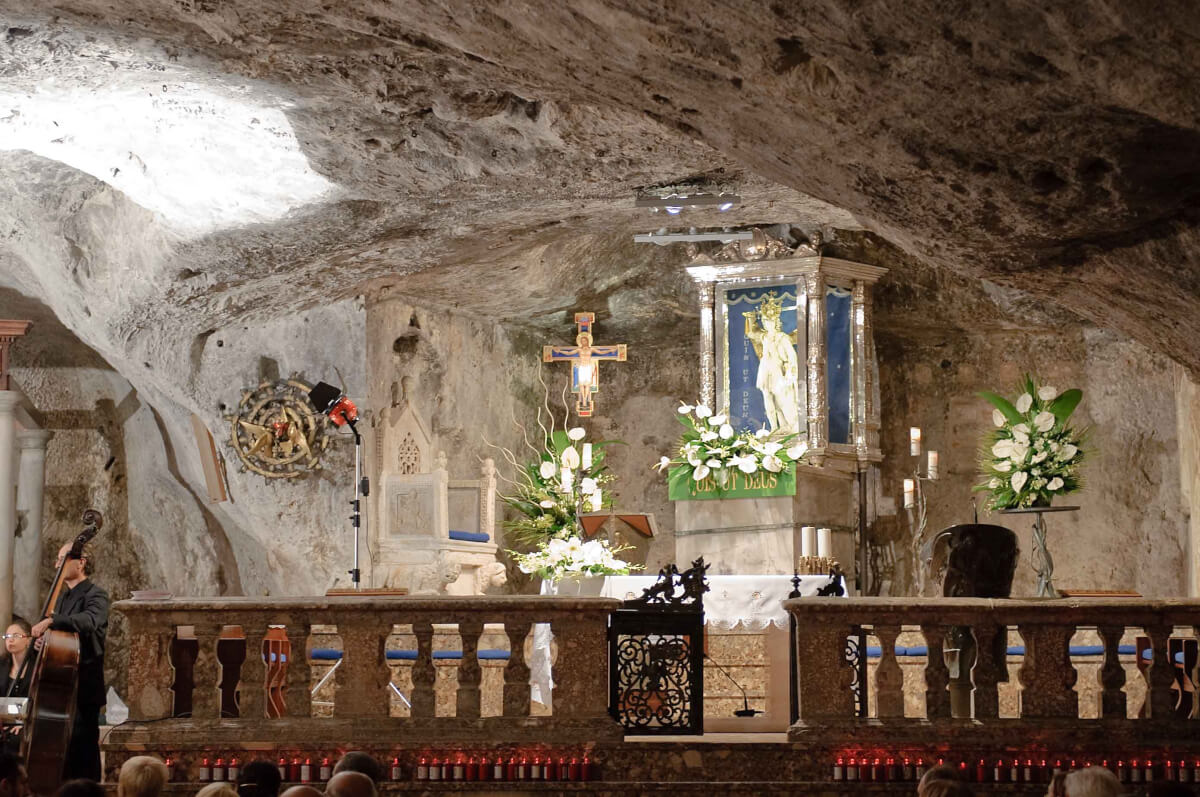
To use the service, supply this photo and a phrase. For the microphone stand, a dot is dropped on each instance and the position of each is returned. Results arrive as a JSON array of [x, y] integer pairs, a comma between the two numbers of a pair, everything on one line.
[[745, 710], [362, 488]]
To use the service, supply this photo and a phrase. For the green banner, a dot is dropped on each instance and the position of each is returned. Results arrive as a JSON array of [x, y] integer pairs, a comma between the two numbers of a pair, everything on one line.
[[761, 484]]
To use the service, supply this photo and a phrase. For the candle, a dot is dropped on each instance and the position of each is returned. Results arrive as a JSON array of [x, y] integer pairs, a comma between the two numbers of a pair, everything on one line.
[[597, 500], [910, 497], [808, 541], [824, 542], [933, 465], [568, 479], [914, 441], [587, 456]]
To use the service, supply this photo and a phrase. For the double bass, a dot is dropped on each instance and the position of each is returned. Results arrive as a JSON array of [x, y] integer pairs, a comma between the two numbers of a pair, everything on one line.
[[55, 682]]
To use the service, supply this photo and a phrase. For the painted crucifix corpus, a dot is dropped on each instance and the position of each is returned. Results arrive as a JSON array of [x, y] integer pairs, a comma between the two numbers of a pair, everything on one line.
[[584, 359]]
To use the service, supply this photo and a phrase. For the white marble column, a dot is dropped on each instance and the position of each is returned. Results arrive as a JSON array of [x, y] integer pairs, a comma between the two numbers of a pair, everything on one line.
[[8, 493], [31, 482]]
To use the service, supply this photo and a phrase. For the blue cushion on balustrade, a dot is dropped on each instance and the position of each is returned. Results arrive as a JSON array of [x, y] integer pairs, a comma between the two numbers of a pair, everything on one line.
[[874, 651], [330, 654], [469, 536]]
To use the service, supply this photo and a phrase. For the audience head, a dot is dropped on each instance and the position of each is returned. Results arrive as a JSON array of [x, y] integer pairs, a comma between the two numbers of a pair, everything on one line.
[[1092, 782], [259, 779], [13, 780], [142, 776], [940, 772], [947, 788], [217, 790], [80, 787], [358, 761], [350, 784], [300, 791], [1058, 785]]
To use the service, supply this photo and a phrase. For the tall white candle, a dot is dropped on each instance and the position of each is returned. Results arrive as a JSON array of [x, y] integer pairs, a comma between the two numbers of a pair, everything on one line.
[[933, 465], [808, 540], [910, 496], [568, 479], [597, 500], [914, 442], [587, 456], [824, 542]]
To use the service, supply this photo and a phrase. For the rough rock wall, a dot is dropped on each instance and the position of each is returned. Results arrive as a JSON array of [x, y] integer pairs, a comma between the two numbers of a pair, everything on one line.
[[1187, 400]]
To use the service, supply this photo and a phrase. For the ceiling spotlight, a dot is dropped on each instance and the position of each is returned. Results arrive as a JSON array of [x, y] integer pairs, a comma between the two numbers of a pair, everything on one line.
[[674, 203]]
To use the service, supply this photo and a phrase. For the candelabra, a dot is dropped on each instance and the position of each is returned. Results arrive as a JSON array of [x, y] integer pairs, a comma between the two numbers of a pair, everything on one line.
[[914, 495]]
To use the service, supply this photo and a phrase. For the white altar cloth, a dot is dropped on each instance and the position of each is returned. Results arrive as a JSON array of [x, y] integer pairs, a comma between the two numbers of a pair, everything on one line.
[[753, 601]]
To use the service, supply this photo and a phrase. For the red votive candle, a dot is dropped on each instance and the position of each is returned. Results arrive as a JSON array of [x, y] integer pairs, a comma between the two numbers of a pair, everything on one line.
[[396, 769], [472, 772], [839, 768], [573, 769], [585, 769], [511, 772]]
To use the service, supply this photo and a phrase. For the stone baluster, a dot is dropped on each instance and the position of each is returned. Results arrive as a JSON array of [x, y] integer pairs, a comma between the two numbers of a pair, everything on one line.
[[937, 675], [150, 671], [990, 659], [423, 672], [252, 691], [1111, 675], [299, 670], [1047, 675], [206, 698], [889, 680], [1160, 701], [362, 679], [581, 671], [516, 673], [823, 676], [469, 671]]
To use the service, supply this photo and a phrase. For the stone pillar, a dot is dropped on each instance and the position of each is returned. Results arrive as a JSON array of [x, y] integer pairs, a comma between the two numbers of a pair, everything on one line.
[[31, 483], [8, 510]]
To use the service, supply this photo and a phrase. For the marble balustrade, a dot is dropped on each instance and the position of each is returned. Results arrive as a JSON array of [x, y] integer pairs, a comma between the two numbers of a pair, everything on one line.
[[363, 629], [1128, 711]]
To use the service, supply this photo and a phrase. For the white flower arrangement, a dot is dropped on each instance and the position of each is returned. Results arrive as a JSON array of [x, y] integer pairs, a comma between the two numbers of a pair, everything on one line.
[[571, 556], [1033, 454], [710, 447]]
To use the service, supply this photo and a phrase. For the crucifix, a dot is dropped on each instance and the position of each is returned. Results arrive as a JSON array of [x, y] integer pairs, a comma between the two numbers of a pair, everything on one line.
[[584, 359]]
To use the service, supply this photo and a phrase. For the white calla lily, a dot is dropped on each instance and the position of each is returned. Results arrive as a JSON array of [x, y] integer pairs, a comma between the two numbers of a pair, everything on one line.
[[1067, 452], [708, 435], [1004, 466], [546, 504], [715, 464], [587, 486], [702, 411], [663, 464], [1002, 449], [772, 463], [798, 451], [570, 457], [576, 433], [1018, 480], [726, 431], [717, 420], [1044, 421], [684, 409], [547, 469], [746, 464], [761, 433], [1024, 402], [994, 484], [998, 418], [701, 472], [1054, 484], [1047, 393], [1039, 457]]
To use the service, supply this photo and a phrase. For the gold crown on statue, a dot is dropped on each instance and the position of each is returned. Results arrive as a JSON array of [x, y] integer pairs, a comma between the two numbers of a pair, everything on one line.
[[771, 306]]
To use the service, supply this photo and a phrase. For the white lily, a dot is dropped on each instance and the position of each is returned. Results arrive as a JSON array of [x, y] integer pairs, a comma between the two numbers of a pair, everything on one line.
[[772, 463], [1024, 402], [998, 418], [1047, 393], [1068, 452], [1018, 480], [587, 486], [761, 433], [701, 472], [684, 409], [1054, 484], [1004, 466], [547, 470], [708, 435], [546, 504], [1020, 437], [746, 464], [576, 433], [797, 451], [663, 464], [1039, 457], [1002, 449], [570, 458], [726, 431], [1019, 452], [772, 448], [717, 420], [1044, 421], [715, 464], [702, 411]]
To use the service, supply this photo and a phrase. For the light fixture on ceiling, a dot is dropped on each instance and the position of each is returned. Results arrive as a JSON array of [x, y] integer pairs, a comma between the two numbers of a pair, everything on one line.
[[674, 203], [662, 238]]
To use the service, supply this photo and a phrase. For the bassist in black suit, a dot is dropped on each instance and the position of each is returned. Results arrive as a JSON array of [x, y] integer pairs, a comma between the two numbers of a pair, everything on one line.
[[82, 609]]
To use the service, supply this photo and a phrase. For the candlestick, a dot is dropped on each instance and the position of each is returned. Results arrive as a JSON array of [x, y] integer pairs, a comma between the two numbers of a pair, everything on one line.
[[824, 542], [587, 456], [568, 479], [597, 500], [933, 465], [910, 499], [808, 541], [914, 441]]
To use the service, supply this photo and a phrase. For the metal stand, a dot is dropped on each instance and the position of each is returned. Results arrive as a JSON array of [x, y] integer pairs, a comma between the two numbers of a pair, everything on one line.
[[1043, 563], [361, 490]]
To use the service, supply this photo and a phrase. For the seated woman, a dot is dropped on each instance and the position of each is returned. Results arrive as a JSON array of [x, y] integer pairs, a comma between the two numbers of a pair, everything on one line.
[[15, 673]]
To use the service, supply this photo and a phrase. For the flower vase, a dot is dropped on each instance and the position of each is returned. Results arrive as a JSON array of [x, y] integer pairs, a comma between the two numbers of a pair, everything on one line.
[[573, 585]]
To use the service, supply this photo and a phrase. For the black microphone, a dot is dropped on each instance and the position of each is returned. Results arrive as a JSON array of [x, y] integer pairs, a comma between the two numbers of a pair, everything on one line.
[[745, 710]]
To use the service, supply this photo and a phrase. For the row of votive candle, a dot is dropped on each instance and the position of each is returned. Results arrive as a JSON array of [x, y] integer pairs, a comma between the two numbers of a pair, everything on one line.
[[497, 768], [816, 542], [1029, 770], [297, 770]]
